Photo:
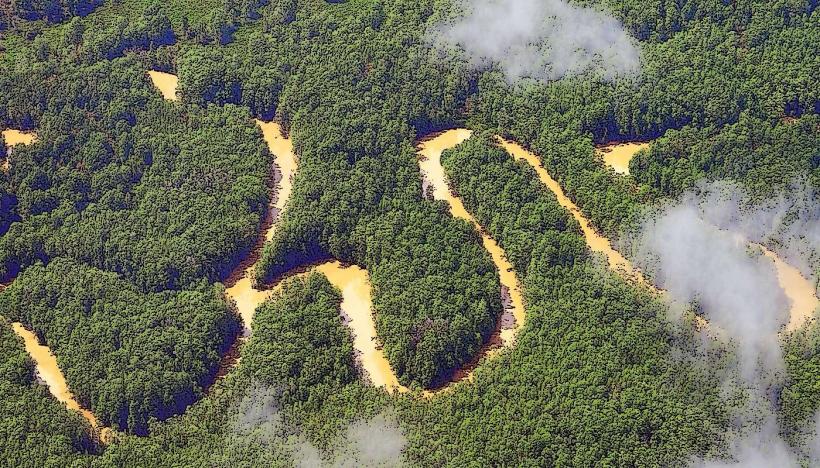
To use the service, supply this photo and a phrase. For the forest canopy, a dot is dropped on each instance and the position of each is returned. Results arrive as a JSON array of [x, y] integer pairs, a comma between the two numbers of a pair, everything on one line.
[[119, 224]]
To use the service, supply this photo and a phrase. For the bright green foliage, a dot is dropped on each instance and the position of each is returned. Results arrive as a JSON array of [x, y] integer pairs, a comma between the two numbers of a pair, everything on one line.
[[299, 344], [296, 381], [125, 182], [800, 399], [170, 196]]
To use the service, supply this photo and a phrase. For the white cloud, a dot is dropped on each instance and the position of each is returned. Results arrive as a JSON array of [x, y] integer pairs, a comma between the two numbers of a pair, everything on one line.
[[539, 39]]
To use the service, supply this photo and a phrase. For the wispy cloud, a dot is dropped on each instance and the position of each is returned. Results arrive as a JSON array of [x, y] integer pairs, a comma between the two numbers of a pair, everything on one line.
[[788, 221], [539, 39], [697, 250], [257, 421]]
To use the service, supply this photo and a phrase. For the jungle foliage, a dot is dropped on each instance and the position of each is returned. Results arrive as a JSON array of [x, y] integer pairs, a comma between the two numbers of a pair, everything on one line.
[[33, 426], [139, 207], [128, 356]]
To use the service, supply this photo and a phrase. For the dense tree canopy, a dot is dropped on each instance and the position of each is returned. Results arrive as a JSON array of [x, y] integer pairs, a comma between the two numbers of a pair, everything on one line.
[[766, 157], [127, 356], [120, 222], [593, 401], [33, 426], [125, 182]]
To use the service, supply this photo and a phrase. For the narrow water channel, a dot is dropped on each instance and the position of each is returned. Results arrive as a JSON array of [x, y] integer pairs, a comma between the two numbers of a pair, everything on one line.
[[357, 309], [513, 317], [796, 287], [239, 285], [595, 241], [49, 372], [353, 281]]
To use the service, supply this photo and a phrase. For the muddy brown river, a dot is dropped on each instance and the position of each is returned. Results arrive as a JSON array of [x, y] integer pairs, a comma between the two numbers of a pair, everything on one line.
[[353, 281], [49, 372], [595, 241], [13, 138], [429, 151], [166, 83], [239, 286], [797, 288], [618, 155]]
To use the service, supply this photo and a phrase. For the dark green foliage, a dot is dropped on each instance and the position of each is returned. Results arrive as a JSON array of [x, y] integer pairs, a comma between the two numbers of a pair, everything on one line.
[[171, 195], [800, 399], [33, 425], [591, 378], [299, 343], [764, 157], [210, 433], [296, 380], [52, 11], [210, 75], [125, 182], [148, 31], [127, 356], [357, 195]]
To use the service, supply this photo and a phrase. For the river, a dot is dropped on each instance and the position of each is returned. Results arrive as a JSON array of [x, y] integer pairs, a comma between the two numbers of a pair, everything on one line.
[[239, 285], [166, 83], [44, 360], [49, 372], [353, 281], [513, 317], [12, 138], [797, 288], [357, 307], [618, 155], [595, 241]]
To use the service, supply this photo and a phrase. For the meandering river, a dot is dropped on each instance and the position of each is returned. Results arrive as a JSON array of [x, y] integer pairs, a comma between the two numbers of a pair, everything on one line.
[[796, 287], [353, 281], [513, 317], [595, 241], [49, 372], [239, 285]]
